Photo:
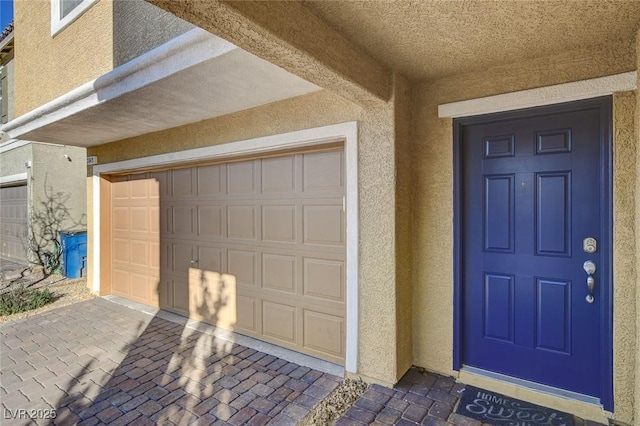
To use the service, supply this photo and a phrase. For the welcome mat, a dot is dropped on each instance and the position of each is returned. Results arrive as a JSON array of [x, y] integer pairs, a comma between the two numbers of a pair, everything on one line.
[[496, 409]]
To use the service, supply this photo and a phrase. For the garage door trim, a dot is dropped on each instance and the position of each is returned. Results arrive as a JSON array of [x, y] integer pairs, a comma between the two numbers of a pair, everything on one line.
[[347, 132]]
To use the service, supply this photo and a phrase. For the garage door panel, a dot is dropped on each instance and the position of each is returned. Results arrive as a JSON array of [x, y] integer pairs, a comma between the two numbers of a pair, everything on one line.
[[183, 220], [180, 295], [210, 221], [279, 321], [154, 220], [323, 332], [247, 314], [165, 290], [324, 278], [139, 189], [121, 249], [323, 171], [181, 257], [279, 223], [210, 259], [140, 286], [210, 180], [120, 282], [243, 266], [279, 272], [241, 222], [323, 225], [182, 183], [279, 175], [120, 219], [154, 255], [139, 219], [159, 184], [120, 190], [241, 178], [140, 253], [211, 298]]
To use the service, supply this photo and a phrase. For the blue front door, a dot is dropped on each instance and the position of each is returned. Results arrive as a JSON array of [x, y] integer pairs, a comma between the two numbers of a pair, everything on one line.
[[534, 192]]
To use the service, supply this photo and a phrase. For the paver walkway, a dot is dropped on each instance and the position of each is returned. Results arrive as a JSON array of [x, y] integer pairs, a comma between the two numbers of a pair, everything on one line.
[[420, 398], [97, 362]]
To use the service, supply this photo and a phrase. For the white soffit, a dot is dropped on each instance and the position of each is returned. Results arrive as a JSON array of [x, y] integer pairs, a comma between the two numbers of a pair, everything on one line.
[[548, 95], [193, 77]]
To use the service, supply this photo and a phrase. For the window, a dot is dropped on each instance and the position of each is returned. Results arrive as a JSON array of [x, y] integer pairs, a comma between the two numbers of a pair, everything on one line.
[[64, 12]]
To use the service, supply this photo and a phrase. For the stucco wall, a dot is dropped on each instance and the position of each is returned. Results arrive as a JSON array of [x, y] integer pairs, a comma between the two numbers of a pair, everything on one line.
[[58, 196], [108, 34], [624, 266], [139, 27], [404, 225], [60, 179], [637, 198], [12, 162], [433, 191], [47, 67], [378, 356]]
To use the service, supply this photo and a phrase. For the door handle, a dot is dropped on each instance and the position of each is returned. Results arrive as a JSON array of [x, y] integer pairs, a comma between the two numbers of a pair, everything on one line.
[[590, 268]]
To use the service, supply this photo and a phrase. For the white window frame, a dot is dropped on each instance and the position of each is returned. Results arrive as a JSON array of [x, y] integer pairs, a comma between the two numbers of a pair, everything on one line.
[[58, 24]]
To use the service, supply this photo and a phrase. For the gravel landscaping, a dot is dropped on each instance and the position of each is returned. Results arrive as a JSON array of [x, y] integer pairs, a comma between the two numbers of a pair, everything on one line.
[[335, 404], [65, 291]]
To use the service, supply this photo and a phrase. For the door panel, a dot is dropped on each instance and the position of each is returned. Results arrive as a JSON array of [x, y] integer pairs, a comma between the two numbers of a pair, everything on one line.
[[533, 187]]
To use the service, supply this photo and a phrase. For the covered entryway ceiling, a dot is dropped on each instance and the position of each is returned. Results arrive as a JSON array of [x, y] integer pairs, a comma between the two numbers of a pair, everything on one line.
[[427, 39], [193, 77], [354, 48]]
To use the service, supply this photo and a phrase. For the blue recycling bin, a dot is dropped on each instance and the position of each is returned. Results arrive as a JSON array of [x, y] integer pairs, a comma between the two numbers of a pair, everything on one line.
[[74, 253]]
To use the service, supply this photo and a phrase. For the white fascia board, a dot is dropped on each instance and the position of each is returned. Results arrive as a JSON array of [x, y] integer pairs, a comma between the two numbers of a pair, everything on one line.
[[574, 91], [185, 51]]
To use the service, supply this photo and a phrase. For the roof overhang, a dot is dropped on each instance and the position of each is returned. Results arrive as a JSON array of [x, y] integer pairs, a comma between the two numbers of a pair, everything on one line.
[[193, 77]]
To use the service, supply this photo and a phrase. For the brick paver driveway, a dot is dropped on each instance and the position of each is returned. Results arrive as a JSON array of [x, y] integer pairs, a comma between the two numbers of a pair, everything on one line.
[[98, 362]]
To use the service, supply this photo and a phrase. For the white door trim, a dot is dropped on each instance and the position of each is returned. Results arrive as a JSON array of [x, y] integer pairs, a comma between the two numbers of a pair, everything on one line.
[[540, 96], [347, 132]]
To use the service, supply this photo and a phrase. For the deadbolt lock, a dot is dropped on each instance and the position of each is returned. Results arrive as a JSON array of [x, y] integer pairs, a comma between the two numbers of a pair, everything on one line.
[[589, 245]]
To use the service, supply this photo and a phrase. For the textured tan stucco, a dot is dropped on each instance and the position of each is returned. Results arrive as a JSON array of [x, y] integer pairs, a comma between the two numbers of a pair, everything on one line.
[[624, 266], [637, 199], [404, 226], [426, 40], [139, 27], [47, 67], [433, 199], [380, 358]]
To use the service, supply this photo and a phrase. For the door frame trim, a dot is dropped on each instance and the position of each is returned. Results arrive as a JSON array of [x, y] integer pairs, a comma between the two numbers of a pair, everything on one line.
[[606, 227], [540, 96], [346, 132]]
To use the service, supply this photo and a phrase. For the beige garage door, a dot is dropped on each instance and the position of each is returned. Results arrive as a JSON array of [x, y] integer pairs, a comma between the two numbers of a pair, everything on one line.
[[256, 246], [13, 222]]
